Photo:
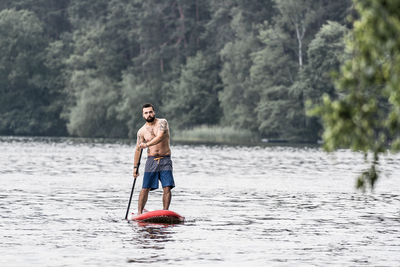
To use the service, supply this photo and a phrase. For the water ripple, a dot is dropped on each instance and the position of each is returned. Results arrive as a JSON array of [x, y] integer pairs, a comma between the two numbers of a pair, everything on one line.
[[63, 203]]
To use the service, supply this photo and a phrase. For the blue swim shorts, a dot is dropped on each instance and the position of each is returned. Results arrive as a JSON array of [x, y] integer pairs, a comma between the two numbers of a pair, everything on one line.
[[158, 168]]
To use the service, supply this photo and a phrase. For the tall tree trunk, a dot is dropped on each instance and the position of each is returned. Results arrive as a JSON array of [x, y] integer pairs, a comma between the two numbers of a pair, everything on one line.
[[300, 35], [182, 19]]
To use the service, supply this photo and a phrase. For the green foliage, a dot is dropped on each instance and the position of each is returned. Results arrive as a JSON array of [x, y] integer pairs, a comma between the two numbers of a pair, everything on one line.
[[135, 93], [194, 100], [100, 53], [216, 134], [366, 117], [271, 76], [285, 71], [52, 13], [95, 113], [26, 104], [238, 101], [325, 54], [275, 73], [243, 64]]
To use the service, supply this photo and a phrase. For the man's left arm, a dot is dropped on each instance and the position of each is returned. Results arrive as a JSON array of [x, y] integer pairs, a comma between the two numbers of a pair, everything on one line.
[[161, 135]]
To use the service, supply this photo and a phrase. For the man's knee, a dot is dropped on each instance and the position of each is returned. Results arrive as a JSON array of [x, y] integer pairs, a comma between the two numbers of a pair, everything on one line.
[[145, 190], [167, 189]]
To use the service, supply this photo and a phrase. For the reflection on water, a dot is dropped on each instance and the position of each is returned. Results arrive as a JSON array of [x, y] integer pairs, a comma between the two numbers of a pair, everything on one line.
[[63, 202], [153, 236]]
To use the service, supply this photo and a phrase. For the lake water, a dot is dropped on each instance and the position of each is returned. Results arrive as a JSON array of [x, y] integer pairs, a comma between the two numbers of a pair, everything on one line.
[[63, 203]]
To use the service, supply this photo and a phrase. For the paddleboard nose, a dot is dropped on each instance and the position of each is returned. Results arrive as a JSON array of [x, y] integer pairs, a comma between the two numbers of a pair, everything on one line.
[[159, 216]]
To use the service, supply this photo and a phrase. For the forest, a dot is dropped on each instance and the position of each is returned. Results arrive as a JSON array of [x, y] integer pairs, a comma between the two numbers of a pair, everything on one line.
[[85, 67]]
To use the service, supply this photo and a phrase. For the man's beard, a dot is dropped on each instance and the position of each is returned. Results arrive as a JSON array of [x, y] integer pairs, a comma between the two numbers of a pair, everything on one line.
[[150, 119]]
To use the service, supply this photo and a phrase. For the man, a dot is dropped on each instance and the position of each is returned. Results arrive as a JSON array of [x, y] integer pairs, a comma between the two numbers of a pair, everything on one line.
[[154, 135]]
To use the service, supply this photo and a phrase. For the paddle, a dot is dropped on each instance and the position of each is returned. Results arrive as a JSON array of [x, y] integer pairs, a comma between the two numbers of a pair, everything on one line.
[[133, 186]]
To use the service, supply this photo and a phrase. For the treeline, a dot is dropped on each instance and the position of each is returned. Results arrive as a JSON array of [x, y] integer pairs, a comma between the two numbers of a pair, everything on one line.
[[84, 67]]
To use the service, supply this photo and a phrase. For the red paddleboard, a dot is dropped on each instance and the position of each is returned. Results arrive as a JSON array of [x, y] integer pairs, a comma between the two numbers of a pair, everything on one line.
[[159, 216]]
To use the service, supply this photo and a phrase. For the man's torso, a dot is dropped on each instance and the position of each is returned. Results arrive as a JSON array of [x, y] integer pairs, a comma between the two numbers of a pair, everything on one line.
[[148, 132]]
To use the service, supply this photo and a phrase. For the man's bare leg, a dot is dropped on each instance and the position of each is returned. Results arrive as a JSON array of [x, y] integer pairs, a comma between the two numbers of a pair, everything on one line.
[[166, 197], [142, 199]]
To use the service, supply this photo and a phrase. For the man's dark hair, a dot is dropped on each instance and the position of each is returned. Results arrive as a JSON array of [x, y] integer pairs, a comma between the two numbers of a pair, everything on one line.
[[148, 105]]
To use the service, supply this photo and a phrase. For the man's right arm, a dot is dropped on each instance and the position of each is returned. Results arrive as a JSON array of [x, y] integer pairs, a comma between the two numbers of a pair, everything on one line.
[[137, 155]]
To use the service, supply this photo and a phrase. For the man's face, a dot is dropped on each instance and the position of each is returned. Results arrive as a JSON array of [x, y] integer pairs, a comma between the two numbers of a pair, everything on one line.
[[148, 114]]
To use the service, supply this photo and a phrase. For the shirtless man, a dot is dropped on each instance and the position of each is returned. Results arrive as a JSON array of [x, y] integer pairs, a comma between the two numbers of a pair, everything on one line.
[[154, 135]]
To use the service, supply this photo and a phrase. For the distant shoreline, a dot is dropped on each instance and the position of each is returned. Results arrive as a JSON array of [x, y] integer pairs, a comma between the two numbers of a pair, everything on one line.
[[132, 141]]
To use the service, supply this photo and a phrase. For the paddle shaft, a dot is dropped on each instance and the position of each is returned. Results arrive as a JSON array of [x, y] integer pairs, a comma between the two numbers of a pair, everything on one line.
[[133, 186]]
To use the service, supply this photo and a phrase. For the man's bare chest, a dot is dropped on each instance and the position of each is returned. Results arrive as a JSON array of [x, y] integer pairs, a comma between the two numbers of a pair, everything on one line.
[[149, 132]]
